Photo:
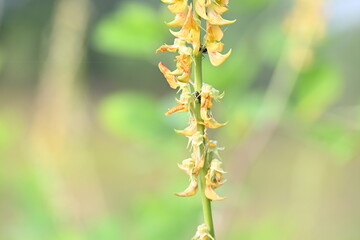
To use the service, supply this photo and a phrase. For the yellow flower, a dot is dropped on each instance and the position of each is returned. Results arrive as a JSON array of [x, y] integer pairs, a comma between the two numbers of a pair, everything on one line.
[[213, 32], [191, 189], [180, 8], [190, 130], [176, 5], [179, 45], [171, 79], [214, 14], [208, 93], [214, 180], [190, 31], [203, 233], [214, 49], [208, 119], [211, 11], [187, 166], [223, 2], [200, 8], [183, 63], [183, 68], [177, 108]]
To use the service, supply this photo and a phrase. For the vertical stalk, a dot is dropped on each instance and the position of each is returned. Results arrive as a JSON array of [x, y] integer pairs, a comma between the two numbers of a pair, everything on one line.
[[190, 15], [206, 203]]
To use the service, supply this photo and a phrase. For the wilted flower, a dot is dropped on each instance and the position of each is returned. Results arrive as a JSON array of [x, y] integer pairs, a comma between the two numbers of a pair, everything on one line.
[[191, 189], [209, 120], [208, 93], [177, 108], [214, 180], [195, 141], [171, 79], [187, 166], [183, 103], [190, 130], [203, 233]]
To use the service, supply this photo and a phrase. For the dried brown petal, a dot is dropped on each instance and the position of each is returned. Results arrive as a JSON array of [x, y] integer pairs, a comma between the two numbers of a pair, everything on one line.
[[177, 108]]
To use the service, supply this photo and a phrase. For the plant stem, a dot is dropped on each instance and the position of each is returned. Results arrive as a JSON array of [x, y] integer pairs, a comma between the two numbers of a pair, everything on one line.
[[206, 203]]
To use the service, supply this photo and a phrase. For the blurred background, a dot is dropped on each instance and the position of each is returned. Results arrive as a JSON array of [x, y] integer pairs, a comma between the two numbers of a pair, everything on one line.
[[86, 152]]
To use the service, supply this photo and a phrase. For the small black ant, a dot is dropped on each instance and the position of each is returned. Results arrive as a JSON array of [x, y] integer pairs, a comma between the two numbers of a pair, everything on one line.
[[197, 95], [203, 49]]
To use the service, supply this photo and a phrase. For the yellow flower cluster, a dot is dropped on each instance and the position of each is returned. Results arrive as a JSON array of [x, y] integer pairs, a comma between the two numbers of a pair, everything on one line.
[[202, 233], [188, 45], [187, 42]]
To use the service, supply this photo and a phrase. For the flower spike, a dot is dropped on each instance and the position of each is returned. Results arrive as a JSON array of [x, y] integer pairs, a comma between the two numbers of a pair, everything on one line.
[[203, 167]]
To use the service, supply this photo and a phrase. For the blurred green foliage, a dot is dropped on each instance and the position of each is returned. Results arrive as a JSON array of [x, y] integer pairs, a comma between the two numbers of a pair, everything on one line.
[[318, 88], [132, 115], [4, 135], [119, 32], [268, 228], [337, 139], [107, 228]]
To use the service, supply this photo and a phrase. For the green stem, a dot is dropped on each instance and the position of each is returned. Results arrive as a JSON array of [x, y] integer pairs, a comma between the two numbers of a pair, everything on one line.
[[206, 203]]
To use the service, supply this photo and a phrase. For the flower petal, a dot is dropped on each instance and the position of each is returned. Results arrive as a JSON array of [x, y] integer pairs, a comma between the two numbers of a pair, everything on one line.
[[177, 108], [190, 130], [217, 58], [219, 9], [170, 78], [190, 190], [169, 48], [187, 166], [180, 18], [185, 77], [215, 18], [213, 32], [169, 1], [178, 21], [200, 8], [212, 123], [211, 194], [221, 2], [178, 7], [205, 114]]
